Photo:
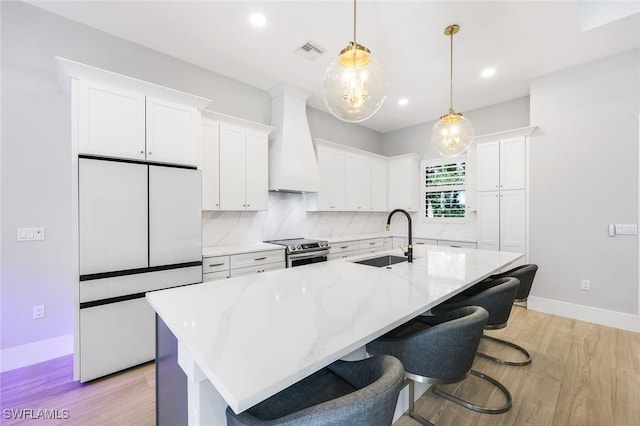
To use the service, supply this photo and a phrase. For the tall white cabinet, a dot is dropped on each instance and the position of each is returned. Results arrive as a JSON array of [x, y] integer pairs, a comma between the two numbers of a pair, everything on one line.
[[501, 184], [234, 160], [136, 206]]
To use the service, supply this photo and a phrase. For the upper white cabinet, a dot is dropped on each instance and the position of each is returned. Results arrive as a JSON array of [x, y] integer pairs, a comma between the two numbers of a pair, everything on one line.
[[404, 182], [350, 179], [122, 117], [332, 194], [501, 164], [171, 132], [111, 122], [234, 162], [121, 124], [358, 183]]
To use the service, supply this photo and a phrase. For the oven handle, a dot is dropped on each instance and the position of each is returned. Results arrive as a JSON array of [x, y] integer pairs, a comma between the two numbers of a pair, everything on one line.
[[299, 256]]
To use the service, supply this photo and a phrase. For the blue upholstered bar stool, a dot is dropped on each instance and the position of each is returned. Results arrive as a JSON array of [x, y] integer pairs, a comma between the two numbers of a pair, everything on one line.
[[524, 273], [497, 297], [354, 393], [440, 349]]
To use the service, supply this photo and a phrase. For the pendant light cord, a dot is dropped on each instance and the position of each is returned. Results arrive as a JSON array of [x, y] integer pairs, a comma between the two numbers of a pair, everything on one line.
[[354, 22], [451, 77]]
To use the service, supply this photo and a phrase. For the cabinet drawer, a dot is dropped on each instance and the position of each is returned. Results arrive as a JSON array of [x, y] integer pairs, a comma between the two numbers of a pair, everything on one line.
[[343, 246], [424, 241], [342, 255], [371, 246], [214, 276], [215, 264], [115, 336], [464, 244], [256, 258], [256, 269]]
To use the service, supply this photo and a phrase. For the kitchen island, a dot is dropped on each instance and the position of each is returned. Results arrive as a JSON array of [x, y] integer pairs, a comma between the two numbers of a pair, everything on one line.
[[242, 340]]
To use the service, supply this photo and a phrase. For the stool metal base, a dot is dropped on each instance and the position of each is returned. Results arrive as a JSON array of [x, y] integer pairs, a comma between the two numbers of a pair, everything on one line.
[[479, 408], [503, 361], [415, 416]]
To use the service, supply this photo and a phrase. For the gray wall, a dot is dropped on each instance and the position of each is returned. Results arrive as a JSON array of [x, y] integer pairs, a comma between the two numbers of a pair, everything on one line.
[[36, 157], [495, 118], [584, 175]]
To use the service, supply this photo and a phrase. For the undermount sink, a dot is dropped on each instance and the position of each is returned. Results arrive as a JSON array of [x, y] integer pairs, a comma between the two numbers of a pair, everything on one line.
[[381, 261]]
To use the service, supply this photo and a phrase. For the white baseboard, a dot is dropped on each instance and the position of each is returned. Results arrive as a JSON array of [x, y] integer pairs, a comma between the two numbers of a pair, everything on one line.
[[35, 352], [600, 316]]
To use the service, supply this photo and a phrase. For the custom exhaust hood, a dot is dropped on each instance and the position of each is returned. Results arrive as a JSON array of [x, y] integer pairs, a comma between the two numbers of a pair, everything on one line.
[[292, 160]]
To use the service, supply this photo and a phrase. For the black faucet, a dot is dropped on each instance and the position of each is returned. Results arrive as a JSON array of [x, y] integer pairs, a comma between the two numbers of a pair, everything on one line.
[[409, 252]]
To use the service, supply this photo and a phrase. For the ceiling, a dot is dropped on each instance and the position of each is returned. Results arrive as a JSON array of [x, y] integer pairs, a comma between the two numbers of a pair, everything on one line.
[[522, 40]]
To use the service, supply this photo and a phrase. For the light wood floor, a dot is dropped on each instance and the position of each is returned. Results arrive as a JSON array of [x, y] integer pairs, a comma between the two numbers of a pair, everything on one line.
[[582, 374]]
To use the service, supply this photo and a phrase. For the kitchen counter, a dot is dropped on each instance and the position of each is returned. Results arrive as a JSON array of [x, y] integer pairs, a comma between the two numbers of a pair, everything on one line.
[[238, 249], [357, 237], [244, 339]]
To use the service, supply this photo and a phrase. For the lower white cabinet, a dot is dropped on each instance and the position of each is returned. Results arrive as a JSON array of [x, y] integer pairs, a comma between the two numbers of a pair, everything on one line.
[[371, 245], [501, 220], [424, 241], [234, 265], [115, 336], [343, 250], [459, 244]]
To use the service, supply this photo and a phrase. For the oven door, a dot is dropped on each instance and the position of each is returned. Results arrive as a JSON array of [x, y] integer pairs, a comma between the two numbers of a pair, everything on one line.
[[299, 259]]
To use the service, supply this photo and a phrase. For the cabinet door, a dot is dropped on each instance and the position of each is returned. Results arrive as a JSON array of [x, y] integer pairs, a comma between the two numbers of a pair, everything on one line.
[[512, 163], [171, 133], [111, 122], [112, 213], [358, 183], [378, 185], [232, 168], [488, 166], [174, 216], [257, 171], [488, 220], [332, 180], [512, 221], [403, 189], [210, 165]]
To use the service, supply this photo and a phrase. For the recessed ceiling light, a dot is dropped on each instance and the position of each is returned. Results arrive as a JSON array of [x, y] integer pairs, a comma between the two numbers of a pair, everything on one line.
[[403, 101], [257, 20], [488, 72]]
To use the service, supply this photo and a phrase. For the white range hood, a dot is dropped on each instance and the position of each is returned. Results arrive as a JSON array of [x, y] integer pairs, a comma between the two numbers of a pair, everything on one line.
[[292, 160]]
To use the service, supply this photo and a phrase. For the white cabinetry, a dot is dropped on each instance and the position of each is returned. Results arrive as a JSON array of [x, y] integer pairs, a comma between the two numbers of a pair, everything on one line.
[[371, 245], [343, 250], [117, 123], [234, 163], [501, 193], [404, 182], [351, 179], [237, 264]]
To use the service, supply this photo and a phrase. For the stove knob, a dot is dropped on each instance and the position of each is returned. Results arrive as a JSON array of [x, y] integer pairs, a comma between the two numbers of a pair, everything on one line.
[[292, 248], [299, 247]]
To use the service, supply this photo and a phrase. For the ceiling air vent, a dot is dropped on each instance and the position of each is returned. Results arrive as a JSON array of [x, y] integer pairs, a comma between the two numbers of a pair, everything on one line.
[[309, 51]]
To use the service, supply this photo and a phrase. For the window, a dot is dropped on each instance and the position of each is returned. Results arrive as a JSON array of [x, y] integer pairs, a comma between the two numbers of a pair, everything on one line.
[[444, 189]]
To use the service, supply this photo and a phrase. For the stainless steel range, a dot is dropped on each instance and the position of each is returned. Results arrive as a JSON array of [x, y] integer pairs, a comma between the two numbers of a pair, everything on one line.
[[303, 251]]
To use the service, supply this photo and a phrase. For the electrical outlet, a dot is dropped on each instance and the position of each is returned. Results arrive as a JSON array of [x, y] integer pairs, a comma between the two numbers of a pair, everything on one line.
[[38, 311], [586, 285]]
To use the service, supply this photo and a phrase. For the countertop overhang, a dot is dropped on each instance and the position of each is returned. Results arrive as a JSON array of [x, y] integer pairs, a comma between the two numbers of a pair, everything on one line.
[[255, 335]]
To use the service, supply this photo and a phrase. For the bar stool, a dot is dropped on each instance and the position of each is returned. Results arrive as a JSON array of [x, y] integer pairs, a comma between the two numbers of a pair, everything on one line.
[[440, 349], [359, 393], [496, 296], [524, 273]]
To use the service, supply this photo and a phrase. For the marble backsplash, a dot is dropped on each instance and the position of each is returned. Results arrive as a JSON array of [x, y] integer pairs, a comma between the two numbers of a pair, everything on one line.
[[287, 217]]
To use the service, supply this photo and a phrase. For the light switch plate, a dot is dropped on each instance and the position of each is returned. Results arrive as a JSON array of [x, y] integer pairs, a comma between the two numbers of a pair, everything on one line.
[[31, 234], [626, 229]]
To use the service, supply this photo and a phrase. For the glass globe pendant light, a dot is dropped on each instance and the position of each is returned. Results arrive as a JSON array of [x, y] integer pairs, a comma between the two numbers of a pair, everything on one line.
[[354, 85], [452, 134]]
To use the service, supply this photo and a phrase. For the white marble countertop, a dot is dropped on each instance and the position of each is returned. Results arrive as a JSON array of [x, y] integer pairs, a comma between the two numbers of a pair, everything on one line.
[[238, 249], [356, 237], [255, 335]]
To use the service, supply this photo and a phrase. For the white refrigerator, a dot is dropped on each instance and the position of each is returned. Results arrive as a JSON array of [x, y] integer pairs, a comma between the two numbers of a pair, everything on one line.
[[139, 231]]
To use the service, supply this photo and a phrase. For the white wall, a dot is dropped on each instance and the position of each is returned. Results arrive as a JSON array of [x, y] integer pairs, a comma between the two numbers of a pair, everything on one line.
[[584, 175], [36, 157]]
